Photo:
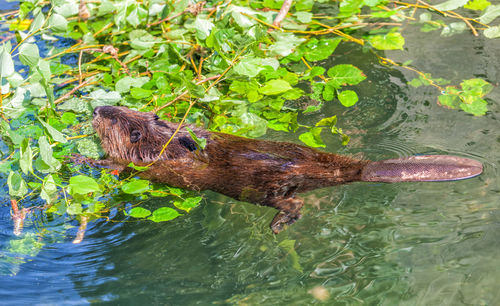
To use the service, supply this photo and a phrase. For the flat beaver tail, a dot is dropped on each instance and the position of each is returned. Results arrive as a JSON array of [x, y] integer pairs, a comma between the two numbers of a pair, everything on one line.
[[424, 168]]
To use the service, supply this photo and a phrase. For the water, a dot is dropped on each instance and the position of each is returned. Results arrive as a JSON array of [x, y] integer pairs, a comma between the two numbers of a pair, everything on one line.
[[407, 243]]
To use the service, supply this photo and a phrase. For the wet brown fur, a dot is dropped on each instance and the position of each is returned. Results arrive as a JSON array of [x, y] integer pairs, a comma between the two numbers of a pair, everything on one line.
[[258, 171]]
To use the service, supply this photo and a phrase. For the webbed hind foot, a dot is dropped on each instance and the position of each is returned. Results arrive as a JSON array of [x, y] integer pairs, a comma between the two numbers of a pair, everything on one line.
[[289, 212]]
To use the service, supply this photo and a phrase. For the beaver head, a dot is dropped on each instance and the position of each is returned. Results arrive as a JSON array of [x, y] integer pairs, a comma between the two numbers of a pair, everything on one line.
[[129, 135]]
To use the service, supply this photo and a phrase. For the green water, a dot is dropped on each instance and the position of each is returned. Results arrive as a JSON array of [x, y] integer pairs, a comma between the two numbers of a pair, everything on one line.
[[363, 243]]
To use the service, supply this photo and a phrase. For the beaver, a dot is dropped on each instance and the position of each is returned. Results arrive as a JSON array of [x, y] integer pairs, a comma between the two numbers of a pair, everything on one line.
[[257, 171]]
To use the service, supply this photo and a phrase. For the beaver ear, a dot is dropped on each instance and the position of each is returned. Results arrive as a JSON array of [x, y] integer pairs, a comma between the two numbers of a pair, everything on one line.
[[135, 136]]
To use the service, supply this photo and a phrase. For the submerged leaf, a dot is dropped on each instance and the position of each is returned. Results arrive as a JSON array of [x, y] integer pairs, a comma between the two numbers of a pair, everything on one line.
[[491, 12], [390, 41], [348, 98], [492, 32], [188, 203], [478, 107], [274, 87], [139, 212], [136, 186], [477, 4], [81, 184], [17, 186], [345, 74], [450, 5], [313, 137], [28, 54], [164, 214]]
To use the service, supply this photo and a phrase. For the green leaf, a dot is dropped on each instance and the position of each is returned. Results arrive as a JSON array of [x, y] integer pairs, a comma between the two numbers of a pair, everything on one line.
[[345, 74], [251, 66], [348, 98], [139, 93], [17, 186], [284, 44], [141, 40], [164, 214], [390, 41], [289, 247], [6, 62], [136, 186], [49, 188], [58, 23], [74, 209], [201, 26], [313, 137], [329, 122], [237, 14], [477, 4], [321, 50], [274, 87], [26, 157], [188, 203], [304, 5], [491, 12], [415, 83], [255, 125], [450, 5], [124, 84], [55, 134], [139, 212], [138, 168], [28, 54], [304, 17], [69, 118], [492, 32], [478, 107], [328, 92], [475, 88], [101, 97], [201, 142], [81, 184], [317, 71], [37, 21], [50, 164], [453, 28], [451, 101]]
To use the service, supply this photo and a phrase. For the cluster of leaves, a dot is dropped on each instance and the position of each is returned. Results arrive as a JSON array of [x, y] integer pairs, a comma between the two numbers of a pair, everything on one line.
[[219, 64]]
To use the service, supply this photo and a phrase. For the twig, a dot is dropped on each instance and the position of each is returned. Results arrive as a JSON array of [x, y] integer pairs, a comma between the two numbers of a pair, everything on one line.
[[185, 93], [109, 49], [80, 67], [420, 73], [173, 135], [194, 9], [309, 67], [69, 93], [18, 217], [282, 13], [81, 230], [165, 19], [453, 15]]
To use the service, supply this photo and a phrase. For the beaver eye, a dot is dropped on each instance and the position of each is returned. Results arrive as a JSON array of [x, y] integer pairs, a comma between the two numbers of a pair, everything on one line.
[[114, 120], [135, 136], [156, 117]]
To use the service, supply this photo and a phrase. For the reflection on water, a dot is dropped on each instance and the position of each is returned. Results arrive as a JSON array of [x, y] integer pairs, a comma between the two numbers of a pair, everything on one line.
[[405, 243]]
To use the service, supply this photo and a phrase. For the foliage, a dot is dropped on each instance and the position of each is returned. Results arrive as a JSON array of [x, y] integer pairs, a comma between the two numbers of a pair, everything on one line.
[[219, 64]]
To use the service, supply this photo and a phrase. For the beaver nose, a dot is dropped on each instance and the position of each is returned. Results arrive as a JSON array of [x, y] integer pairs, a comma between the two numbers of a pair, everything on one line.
[[96, 110]]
